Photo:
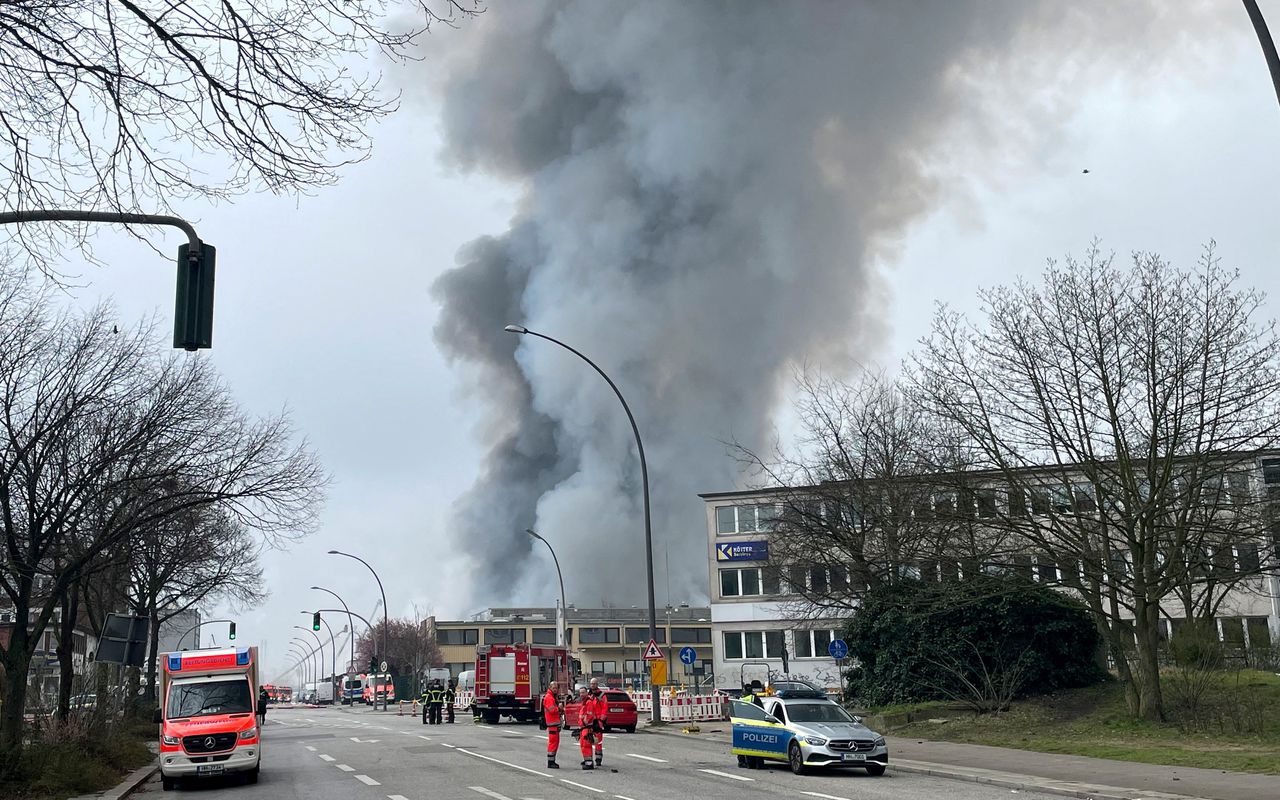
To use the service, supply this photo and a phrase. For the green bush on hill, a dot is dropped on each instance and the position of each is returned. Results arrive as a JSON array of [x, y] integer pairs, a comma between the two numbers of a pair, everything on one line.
[[982, 641]]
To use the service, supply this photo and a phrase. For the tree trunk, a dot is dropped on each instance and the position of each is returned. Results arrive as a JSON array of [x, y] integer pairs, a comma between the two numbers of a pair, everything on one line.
[[153, 647], [17, 668], [1147, 657], [66, 649]]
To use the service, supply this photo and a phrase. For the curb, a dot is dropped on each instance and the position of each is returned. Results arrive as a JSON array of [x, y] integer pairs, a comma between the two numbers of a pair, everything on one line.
[[1006, 780], [127, 787]]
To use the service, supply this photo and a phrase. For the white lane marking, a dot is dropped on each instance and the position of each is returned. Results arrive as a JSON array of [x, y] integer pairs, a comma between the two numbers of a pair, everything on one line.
[[647, 758], [345, 768], [582, 786], [725, 775], [396, 797], [367, 781], [622, 797], [823, 796], [513, 733], [488, 793], [312, 749], [500, 761], [405, 733], [451, 746], [428, 738], [323, 757]]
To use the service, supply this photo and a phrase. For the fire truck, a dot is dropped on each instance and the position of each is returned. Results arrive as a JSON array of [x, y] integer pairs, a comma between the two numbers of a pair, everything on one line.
[[207, 714], [512, 678]]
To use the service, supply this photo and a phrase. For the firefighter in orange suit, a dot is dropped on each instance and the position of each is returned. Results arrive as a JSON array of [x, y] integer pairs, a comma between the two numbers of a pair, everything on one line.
[[602, 709], [551, 715], [586, 726]]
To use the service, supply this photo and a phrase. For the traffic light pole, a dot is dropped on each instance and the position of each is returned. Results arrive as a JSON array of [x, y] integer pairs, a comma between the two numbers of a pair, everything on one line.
[[178, 644], [193, 312]]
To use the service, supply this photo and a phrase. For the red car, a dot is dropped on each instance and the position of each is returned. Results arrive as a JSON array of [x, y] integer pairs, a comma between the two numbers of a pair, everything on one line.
[[621, 714]]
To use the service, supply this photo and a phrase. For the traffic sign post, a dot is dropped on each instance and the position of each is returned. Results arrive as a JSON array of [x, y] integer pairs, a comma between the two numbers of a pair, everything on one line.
[[652, 652]]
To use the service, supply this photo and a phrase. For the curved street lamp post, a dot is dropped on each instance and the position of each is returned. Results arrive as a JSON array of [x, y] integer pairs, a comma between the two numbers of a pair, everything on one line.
[[386, 623], [644, 480], [350, 622], [563, 632]]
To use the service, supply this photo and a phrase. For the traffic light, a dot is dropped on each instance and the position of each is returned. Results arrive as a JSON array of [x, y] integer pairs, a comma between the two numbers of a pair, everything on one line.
[[232, 633], [373, 664], [193, 312], [315, 621]]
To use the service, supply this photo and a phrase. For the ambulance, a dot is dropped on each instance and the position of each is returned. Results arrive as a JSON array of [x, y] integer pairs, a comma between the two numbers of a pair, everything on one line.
[[207, 716]]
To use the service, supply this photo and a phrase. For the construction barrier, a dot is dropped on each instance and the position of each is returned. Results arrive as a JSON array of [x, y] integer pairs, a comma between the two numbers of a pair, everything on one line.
[[464, 698], [685, 709], [413, 712]]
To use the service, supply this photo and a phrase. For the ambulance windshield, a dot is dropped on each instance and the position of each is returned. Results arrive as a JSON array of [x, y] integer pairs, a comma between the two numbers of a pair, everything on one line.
[[230, 696]]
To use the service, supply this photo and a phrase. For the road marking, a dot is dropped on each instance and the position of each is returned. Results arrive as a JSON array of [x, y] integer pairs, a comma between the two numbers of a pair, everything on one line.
[[500, 761], [312, 749], [367, 781], [488, 793], [451, 746], [405, 733], [396, 797], [622, 797], [725, 775], [823, 796], [345, 768], [428, 738], [582, 786], [648, 758], [323, 757], [513, 733]]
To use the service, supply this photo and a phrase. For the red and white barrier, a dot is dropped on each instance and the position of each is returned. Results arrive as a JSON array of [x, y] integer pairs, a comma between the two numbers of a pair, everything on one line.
[[692, 708], [464, 698]]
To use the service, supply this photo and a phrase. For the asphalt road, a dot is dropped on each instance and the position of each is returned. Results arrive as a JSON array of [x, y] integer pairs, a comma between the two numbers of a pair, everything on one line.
[[339, 753]]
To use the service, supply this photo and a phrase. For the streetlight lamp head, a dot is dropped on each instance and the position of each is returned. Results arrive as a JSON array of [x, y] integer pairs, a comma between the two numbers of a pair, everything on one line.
[[516, 329], [332, 553]]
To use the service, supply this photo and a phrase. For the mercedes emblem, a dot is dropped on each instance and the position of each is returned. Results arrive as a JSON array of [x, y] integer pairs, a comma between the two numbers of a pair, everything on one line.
[[210, 742]]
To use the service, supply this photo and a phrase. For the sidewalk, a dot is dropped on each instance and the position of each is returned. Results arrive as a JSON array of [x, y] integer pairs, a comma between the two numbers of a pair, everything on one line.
[[1071, 776]]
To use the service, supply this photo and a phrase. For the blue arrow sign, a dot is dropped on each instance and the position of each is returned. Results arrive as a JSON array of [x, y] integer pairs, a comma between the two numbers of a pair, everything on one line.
[[838, 649], [688, 655]]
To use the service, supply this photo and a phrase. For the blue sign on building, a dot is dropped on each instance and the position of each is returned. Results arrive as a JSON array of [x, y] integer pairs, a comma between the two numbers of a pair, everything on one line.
[[742, 551]]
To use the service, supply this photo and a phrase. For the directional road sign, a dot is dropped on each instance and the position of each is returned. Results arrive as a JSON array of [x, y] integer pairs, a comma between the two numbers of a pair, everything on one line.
[[688, 655], [383, 666], [838, 649], [653, 652]]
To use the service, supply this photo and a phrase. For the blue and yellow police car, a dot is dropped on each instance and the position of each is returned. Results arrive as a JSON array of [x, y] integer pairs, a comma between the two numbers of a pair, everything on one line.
[[804, 729]]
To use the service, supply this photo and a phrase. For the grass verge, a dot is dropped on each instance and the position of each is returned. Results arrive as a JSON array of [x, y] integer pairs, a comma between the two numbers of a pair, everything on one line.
[[51, 770], [1094, 722]]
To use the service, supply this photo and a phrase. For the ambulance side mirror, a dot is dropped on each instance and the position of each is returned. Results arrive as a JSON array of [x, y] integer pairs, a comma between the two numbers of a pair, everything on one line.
[[156, 717]]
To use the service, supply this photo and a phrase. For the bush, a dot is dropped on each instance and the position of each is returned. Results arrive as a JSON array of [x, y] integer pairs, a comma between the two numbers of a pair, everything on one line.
[[66, 761], [983, 641]]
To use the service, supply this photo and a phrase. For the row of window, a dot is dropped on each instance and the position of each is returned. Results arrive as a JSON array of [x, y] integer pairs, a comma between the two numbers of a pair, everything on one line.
[[1079, 498], [771, 581], [586, 635], [739, 645]]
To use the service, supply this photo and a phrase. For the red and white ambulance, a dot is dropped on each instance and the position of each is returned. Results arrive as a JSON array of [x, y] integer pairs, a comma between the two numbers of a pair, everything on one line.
[[207, 715]]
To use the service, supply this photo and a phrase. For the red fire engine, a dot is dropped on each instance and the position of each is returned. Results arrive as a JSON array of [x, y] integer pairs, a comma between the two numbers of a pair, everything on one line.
[[512, 678]]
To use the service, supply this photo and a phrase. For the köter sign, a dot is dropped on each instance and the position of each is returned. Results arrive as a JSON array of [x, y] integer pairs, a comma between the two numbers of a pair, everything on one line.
[[742, 551]]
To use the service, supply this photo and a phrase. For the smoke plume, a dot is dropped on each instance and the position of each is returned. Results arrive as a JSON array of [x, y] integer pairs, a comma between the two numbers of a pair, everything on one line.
[[708, 189]]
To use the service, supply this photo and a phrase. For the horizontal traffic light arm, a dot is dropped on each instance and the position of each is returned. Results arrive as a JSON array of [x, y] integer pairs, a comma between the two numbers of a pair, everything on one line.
[[72, 215]]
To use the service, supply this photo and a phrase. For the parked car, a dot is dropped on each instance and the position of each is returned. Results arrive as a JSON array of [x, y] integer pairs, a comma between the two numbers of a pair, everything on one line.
[[84, 702], [621, 712], [804, 729]]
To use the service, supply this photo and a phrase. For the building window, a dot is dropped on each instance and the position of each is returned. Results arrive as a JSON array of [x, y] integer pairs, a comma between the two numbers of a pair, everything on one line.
[[634, 666], [987, 503], [1040, 504], [1046, 570], [446, 636], [770, 581], [750, 582], [691, 636], [604, 667], [746, 519], [598, 635], [544, 635], [1082, 499], [503, 635], [641, 635], [813, 644], [753, 644], [1271, 470]]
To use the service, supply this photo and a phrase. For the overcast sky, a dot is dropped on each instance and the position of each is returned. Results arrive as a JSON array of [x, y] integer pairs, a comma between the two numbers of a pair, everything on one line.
[[324, 303]]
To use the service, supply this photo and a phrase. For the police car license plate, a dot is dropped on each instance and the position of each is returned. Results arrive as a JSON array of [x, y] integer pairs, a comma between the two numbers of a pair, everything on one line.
[[615, 710], [855, 756], [208, 769]]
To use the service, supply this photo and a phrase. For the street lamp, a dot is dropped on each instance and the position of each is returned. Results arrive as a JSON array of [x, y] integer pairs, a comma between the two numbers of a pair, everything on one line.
[[305, 654], [386, 623], [178, 644], [350, 622], [320, 650], [644, 481], [564, 608]]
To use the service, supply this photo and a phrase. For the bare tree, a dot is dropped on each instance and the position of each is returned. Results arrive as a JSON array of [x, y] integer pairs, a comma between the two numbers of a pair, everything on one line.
[[124, 105], [1121, 411], [869, 494], [411, 644], [102, 439]]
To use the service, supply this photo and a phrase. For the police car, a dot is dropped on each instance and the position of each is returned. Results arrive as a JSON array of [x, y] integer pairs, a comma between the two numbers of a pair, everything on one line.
[[806, 730]]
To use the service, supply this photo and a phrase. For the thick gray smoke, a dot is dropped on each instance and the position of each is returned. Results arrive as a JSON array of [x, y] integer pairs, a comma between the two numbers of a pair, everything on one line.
[[707, 190]]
